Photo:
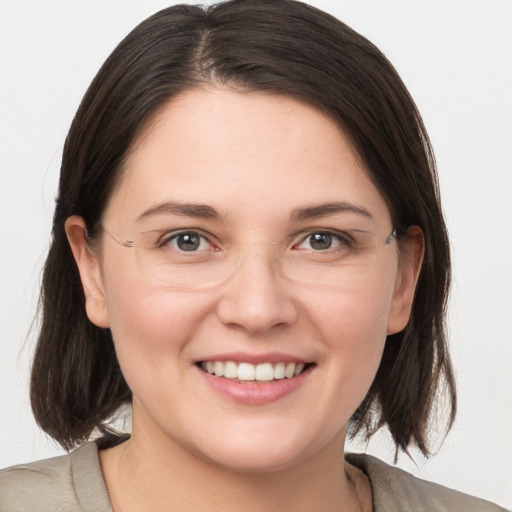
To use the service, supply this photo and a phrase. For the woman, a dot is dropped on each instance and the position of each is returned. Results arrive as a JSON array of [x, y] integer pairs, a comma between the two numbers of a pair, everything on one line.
[[248, 248]]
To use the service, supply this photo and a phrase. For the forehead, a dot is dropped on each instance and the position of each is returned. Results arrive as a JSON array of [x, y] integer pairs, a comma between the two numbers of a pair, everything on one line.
[[253, 154]]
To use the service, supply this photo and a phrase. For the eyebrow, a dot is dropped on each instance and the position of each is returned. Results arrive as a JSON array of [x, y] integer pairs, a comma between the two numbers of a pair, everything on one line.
[[323, 210], [185, 209], [203, 211]]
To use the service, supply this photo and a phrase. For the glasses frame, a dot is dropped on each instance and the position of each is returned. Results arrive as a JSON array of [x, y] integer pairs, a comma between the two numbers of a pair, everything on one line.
[[124, 242]]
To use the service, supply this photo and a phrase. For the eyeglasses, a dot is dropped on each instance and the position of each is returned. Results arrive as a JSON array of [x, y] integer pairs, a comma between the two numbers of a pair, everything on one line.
[[191, 258]]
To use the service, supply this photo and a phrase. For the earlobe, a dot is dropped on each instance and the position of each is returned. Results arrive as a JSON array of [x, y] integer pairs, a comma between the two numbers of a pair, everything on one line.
[[412, 248], [89, 269]]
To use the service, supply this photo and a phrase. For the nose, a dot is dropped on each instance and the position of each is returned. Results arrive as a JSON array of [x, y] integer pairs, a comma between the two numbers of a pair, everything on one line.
[[256, 298]]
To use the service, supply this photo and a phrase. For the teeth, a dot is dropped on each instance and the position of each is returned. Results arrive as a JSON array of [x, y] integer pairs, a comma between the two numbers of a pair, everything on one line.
[[251, 372], [246, 371], [279, 371], [230, 370], [218, 368], [289, 370], [298, 369], [264, 372]]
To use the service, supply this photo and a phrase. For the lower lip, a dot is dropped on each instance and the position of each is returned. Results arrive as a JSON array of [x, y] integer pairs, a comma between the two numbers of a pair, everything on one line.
[[252, 393]]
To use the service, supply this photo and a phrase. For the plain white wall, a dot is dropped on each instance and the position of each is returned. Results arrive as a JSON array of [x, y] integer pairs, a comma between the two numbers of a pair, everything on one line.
[[455, 57]]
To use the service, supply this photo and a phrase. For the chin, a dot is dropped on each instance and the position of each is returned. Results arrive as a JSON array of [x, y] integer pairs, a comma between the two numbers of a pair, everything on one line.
[[254, 461], [261, 453]]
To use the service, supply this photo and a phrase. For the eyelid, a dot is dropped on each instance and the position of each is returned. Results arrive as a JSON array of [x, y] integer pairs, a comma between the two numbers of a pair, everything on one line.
[[176, 231], [168, 235], [303, 235]]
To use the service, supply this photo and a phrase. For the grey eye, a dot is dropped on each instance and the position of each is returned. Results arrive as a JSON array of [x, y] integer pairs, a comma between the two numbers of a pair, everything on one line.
[[320, 241], [187, 241]]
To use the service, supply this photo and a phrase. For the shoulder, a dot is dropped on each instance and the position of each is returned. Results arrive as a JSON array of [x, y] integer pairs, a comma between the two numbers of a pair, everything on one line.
[[397, 490], [69, 483]]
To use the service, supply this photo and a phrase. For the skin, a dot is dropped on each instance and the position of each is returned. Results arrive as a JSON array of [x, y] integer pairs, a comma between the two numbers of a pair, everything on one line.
[[255, 158]]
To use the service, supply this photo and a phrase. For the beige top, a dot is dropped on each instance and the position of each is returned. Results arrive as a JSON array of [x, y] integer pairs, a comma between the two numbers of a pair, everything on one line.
[[74, 483]]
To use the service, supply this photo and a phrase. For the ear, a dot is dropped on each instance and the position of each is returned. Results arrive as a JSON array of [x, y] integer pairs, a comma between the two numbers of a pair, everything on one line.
[[89, 268], [412, 247]]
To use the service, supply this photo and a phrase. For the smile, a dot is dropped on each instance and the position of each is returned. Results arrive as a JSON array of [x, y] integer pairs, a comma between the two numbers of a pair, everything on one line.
[[247, 372]]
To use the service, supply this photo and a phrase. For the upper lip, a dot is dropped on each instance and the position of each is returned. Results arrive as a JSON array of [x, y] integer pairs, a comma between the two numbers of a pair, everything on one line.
[[243, 357]]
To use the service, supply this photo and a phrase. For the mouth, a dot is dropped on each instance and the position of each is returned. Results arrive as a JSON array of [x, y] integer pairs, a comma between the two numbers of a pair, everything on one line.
[[245, 372]]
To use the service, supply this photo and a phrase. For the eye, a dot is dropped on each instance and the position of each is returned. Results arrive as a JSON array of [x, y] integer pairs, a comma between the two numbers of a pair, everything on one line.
[[187, 241], [322, 241]]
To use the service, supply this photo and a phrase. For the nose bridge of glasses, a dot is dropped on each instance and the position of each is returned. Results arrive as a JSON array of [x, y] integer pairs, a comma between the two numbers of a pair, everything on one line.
[[254, 242], [248, 248], [257, 257]]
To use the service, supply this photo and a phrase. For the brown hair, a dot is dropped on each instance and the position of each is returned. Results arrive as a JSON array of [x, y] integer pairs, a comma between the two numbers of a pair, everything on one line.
[[281, 46]]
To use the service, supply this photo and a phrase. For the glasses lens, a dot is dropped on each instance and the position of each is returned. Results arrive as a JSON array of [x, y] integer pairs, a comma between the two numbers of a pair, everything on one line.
[[189, 260], [328, 259]]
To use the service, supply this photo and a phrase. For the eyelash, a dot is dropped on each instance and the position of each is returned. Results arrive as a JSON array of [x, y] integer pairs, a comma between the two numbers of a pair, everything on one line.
[[342, 237], [171, 237]]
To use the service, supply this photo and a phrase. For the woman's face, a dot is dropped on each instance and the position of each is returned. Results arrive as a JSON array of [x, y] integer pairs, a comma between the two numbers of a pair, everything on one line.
[[251, 173]]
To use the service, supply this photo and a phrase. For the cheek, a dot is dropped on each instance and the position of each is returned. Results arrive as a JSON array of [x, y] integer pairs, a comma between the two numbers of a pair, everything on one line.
[[354, 317], [152, 329], [352, 327]]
